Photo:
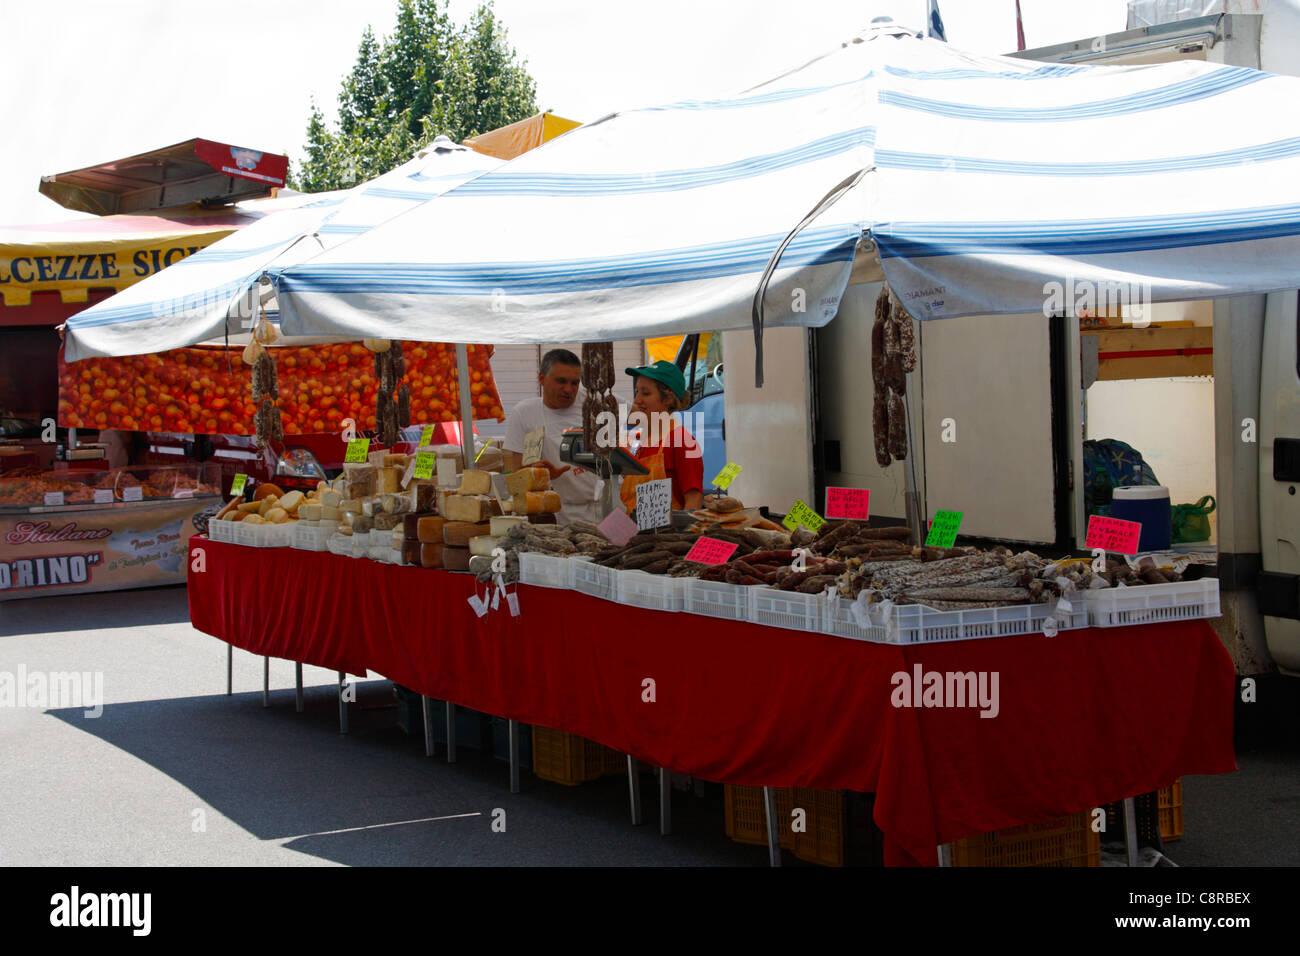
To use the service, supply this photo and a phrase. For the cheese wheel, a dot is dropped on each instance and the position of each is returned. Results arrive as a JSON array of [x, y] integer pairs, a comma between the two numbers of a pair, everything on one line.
[[458, 533], [501, 524], [471, 508], [328, 514], [455, 559], [411, 525], [387, 522], [475, 482], [351, 506], [528, 479], [411, 552], [537, 502], [483, 545], [330, 499], [431, 555], [429, 530]]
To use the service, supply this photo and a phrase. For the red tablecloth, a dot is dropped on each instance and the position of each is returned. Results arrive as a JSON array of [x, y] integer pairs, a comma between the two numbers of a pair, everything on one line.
[[1084, 718]]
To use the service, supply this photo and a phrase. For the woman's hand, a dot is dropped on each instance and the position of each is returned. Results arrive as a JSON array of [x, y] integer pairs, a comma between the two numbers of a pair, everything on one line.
[[555, 472]]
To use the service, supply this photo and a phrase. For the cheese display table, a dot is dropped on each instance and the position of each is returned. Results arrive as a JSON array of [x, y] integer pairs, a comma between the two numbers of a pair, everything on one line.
[[1057, 725]]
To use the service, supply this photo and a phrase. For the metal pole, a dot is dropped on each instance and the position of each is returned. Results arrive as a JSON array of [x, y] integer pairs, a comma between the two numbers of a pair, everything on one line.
[[1131, 831], [343, 704], [297, 677], [915, 508], [512, 737], [634, 789], [945, 854], [466, 405], [427, 706], [450, 711], [230, 669], [665, 802], [773, 835], [266, 682]]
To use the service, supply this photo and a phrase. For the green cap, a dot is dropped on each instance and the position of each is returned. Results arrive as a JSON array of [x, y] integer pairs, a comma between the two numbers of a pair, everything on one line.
[[664, 372]]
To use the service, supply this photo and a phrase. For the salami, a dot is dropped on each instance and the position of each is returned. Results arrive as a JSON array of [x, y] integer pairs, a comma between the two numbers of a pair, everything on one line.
[[897, 438], [880, 425]]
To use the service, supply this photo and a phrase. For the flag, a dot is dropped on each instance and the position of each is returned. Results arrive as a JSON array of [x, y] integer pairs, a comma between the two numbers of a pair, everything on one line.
[[1020, 29], [934, 22]]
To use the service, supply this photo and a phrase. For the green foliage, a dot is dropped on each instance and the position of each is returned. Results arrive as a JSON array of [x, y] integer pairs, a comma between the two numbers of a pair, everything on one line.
[[429, 78]]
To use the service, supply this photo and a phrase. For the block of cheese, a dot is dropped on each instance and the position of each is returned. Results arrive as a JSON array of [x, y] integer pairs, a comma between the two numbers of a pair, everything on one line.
[[455, 559], [330, 498], [501, 524], [362, 522], [411, 552], [390, 481], [371, 506], [475, 482], [543, 519], [537, 502], [363, 481], [394, 460], [443, 497], [471, 508], [329, 514], [376, 458], [309, 512], [397, 504], [411, 525], [431, 555], [458, 533], [528, 479], [478, 564], [426, 494], [387, 522], [490, 458], [483, 545], [351, 506], [429, 530]]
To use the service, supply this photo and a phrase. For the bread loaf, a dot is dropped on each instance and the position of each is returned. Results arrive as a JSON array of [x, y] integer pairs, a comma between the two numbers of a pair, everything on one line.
[[528, 479], [429, 530], [455, 559], [475, 482], [267, 490], [431, 555], [471, 508], [537, 502], [458, 533], [292, 501]]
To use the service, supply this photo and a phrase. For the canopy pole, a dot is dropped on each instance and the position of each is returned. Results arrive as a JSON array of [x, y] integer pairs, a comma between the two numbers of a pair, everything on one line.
[[466, 415]]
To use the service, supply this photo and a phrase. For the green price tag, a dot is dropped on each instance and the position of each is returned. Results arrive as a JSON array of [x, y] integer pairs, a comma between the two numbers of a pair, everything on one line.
[[424, 462], [237, 486], [943, 529], [358, 448], [426, 437], [727, 475], [801, 514]]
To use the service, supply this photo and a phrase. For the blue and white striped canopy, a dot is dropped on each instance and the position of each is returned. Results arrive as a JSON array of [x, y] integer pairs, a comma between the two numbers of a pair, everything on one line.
[[987, 180], [216, 289]]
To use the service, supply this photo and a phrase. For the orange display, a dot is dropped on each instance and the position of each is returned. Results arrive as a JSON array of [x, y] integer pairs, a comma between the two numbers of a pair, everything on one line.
[[204, 390]]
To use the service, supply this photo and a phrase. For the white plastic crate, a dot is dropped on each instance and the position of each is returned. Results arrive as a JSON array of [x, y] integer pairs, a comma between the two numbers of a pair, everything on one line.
[[918, 624], [658, 592], [718, 599], [263, 535], [222, 530], [380, 539], [596, 580], [311, 535], [384, 555], [340, 544], [1154, 603], [838, 619], [791, 609], [545, 570]]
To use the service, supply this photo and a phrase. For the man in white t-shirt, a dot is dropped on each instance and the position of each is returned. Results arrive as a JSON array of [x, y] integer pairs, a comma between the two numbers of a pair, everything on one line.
[[556, 410]]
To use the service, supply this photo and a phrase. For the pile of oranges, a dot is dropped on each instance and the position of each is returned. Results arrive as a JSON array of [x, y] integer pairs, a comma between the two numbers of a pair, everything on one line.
[[208, 390]]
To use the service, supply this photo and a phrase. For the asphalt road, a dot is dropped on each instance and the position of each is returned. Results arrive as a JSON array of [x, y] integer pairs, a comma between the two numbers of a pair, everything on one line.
[[175, 772]]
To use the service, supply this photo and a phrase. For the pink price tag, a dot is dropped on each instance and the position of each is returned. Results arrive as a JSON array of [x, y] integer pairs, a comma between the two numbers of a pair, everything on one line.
[[1113, 534], [618, 527], [711, 551], [848, 503]]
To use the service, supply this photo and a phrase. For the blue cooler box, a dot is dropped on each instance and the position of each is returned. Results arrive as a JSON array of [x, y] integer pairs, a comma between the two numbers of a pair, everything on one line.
[[1148, 505]]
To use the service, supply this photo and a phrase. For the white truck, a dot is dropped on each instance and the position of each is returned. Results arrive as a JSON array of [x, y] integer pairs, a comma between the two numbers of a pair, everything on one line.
[[1001, 405]]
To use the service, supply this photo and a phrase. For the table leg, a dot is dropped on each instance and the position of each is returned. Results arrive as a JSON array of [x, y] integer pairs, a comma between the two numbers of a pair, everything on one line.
[[773, 833], [266, 682], [297, 677], [634, 789], [1131, 831], [230, 669], [451, 732], [945, 854], [427, 706], [343, 704], [512, 736], [665, 801]]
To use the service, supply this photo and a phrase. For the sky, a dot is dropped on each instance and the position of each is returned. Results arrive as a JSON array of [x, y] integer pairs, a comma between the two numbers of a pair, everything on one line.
[[87, 81]]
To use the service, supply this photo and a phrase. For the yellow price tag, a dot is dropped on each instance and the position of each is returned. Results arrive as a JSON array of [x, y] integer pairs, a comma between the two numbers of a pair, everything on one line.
[[358, 448], [801, 514], [424, 462], [237, 485], [426, 437], [727, 475]]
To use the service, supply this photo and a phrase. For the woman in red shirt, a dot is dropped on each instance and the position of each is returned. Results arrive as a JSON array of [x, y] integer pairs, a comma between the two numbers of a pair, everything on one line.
[[662, 443]]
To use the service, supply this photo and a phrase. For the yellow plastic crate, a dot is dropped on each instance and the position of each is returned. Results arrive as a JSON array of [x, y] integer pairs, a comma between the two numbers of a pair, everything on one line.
[[1171, 811], [1068, 841], [822, 842], [569, 759]]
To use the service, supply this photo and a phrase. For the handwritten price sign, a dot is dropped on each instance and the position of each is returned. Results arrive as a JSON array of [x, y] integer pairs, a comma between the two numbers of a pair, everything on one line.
[[848, 503], [710, 551], [654, 504], [943, 529], [801, 514], [424, 464], [358, 449], [426, 437], [237, 486], [1113, 534], [727, 475]]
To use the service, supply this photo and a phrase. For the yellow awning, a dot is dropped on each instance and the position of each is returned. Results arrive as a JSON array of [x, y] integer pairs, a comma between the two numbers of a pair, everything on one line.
[[518, 138]]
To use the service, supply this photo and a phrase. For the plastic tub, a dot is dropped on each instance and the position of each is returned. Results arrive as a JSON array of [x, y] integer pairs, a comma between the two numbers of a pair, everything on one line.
[[596, 580], [658, 592], [1153, 603], [789, 609], [718, 599], [545, 570]]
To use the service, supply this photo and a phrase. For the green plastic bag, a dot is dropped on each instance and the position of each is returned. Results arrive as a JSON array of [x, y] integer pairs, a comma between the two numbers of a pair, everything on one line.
[[1191, 522]]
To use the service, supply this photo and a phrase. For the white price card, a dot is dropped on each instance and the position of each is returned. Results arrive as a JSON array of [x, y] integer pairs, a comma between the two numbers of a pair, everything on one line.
[[103, 496], [53, 498], [654, 504], [447, 473], [479, 604], [133, 493], [533, 442]]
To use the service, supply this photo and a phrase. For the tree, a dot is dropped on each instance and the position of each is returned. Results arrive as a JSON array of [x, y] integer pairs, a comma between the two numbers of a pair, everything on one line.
[[428, 78]]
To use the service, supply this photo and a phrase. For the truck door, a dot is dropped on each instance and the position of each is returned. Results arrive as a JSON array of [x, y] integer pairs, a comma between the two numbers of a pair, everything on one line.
[[1279, 480]]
